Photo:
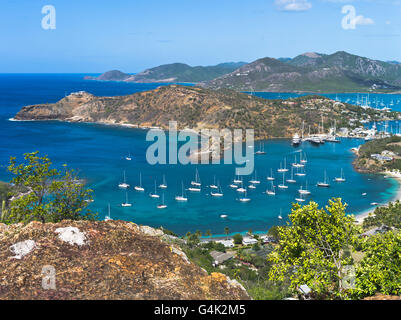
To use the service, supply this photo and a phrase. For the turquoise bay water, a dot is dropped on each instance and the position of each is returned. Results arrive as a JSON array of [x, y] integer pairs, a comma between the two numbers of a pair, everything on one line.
[[98, 153]]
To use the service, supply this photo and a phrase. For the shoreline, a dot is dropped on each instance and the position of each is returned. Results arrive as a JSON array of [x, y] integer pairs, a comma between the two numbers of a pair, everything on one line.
[[135, 126], [360, 217]]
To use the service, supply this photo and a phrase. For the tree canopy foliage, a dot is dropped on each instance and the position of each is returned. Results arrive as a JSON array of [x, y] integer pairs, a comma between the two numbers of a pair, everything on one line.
[[390, 216], [380, 269], [312, 248], [51, 195]]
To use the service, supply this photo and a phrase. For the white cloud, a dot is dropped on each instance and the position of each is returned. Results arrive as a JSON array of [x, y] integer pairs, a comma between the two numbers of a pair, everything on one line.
[[339, 1], [293, 5], [351, 19], [363, 21]]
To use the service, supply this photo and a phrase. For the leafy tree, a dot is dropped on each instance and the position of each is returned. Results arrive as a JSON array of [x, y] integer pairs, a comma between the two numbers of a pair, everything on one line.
[[51, 195], [212, 245], [201, 257], [390, 216], [266, 290], [169, 232], [380, 269], [5, 188], [5, 191], [208, 233], [238, 238], [192, 239], [227, 231], [274, 232], [310, 249]]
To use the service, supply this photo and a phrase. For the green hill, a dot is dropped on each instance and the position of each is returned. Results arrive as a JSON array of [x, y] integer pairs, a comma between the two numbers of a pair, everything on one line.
[[313, 72], [174, 72]]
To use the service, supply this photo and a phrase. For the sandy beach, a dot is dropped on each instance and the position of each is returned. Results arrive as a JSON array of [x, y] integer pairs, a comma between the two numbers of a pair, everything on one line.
[[390, 174]]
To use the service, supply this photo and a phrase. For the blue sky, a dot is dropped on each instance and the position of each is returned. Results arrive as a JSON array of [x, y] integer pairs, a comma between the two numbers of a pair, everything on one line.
[[131, 35]]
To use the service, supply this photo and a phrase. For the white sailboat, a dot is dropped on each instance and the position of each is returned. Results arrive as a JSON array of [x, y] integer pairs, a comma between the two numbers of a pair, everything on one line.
[[341, 178], [237, 180], [303, 159], [255, 179], [261, 149], [194, 189], [283, 169], [126, 203], [304, 191], [182, 197], [154, 195], [164, 184], [283, 186], [123, 185], [300, 198], [162, 205], [139, 188], [272, 191], [241, 189], [325, 183], [244, 198], [214, 186], [197, 179], [280, 215], [219, 193], [128, 158], [271, 177], [301, 172], [292, 180], [333, 136], [296, 164], [108, 217]]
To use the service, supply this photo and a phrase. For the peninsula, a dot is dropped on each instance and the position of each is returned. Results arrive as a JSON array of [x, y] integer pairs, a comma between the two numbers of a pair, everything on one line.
[[198, 108]]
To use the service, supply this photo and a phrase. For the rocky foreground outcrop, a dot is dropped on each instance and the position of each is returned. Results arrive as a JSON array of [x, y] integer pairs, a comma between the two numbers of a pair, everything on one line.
[[101, 260]]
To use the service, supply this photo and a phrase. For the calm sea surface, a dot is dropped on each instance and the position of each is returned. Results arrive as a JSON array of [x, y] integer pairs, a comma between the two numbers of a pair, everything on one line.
[[98, 152]]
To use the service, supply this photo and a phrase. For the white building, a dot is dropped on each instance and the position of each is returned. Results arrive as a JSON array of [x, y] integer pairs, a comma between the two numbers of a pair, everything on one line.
[[227, 243], [249, 240]]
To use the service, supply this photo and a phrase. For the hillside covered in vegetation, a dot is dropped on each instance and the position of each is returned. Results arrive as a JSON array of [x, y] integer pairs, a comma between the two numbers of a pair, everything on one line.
[[313, 72], [379, 155], [198, 108], [173, 72]]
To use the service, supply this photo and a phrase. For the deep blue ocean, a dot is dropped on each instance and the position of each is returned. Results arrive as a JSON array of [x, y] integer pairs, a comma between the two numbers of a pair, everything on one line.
[[98, 153]]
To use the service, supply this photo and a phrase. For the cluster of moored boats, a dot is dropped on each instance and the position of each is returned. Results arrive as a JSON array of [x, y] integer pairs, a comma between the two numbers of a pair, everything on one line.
[[297, 169], [316, 139]]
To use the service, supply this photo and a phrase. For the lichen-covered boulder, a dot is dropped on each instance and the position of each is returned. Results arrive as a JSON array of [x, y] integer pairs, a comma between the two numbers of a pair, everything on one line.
[[101, 260]]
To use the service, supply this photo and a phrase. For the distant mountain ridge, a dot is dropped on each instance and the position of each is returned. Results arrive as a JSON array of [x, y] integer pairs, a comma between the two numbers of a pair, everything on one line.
[[312, 72], [174, 72], [113, 75], [308, 72]]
